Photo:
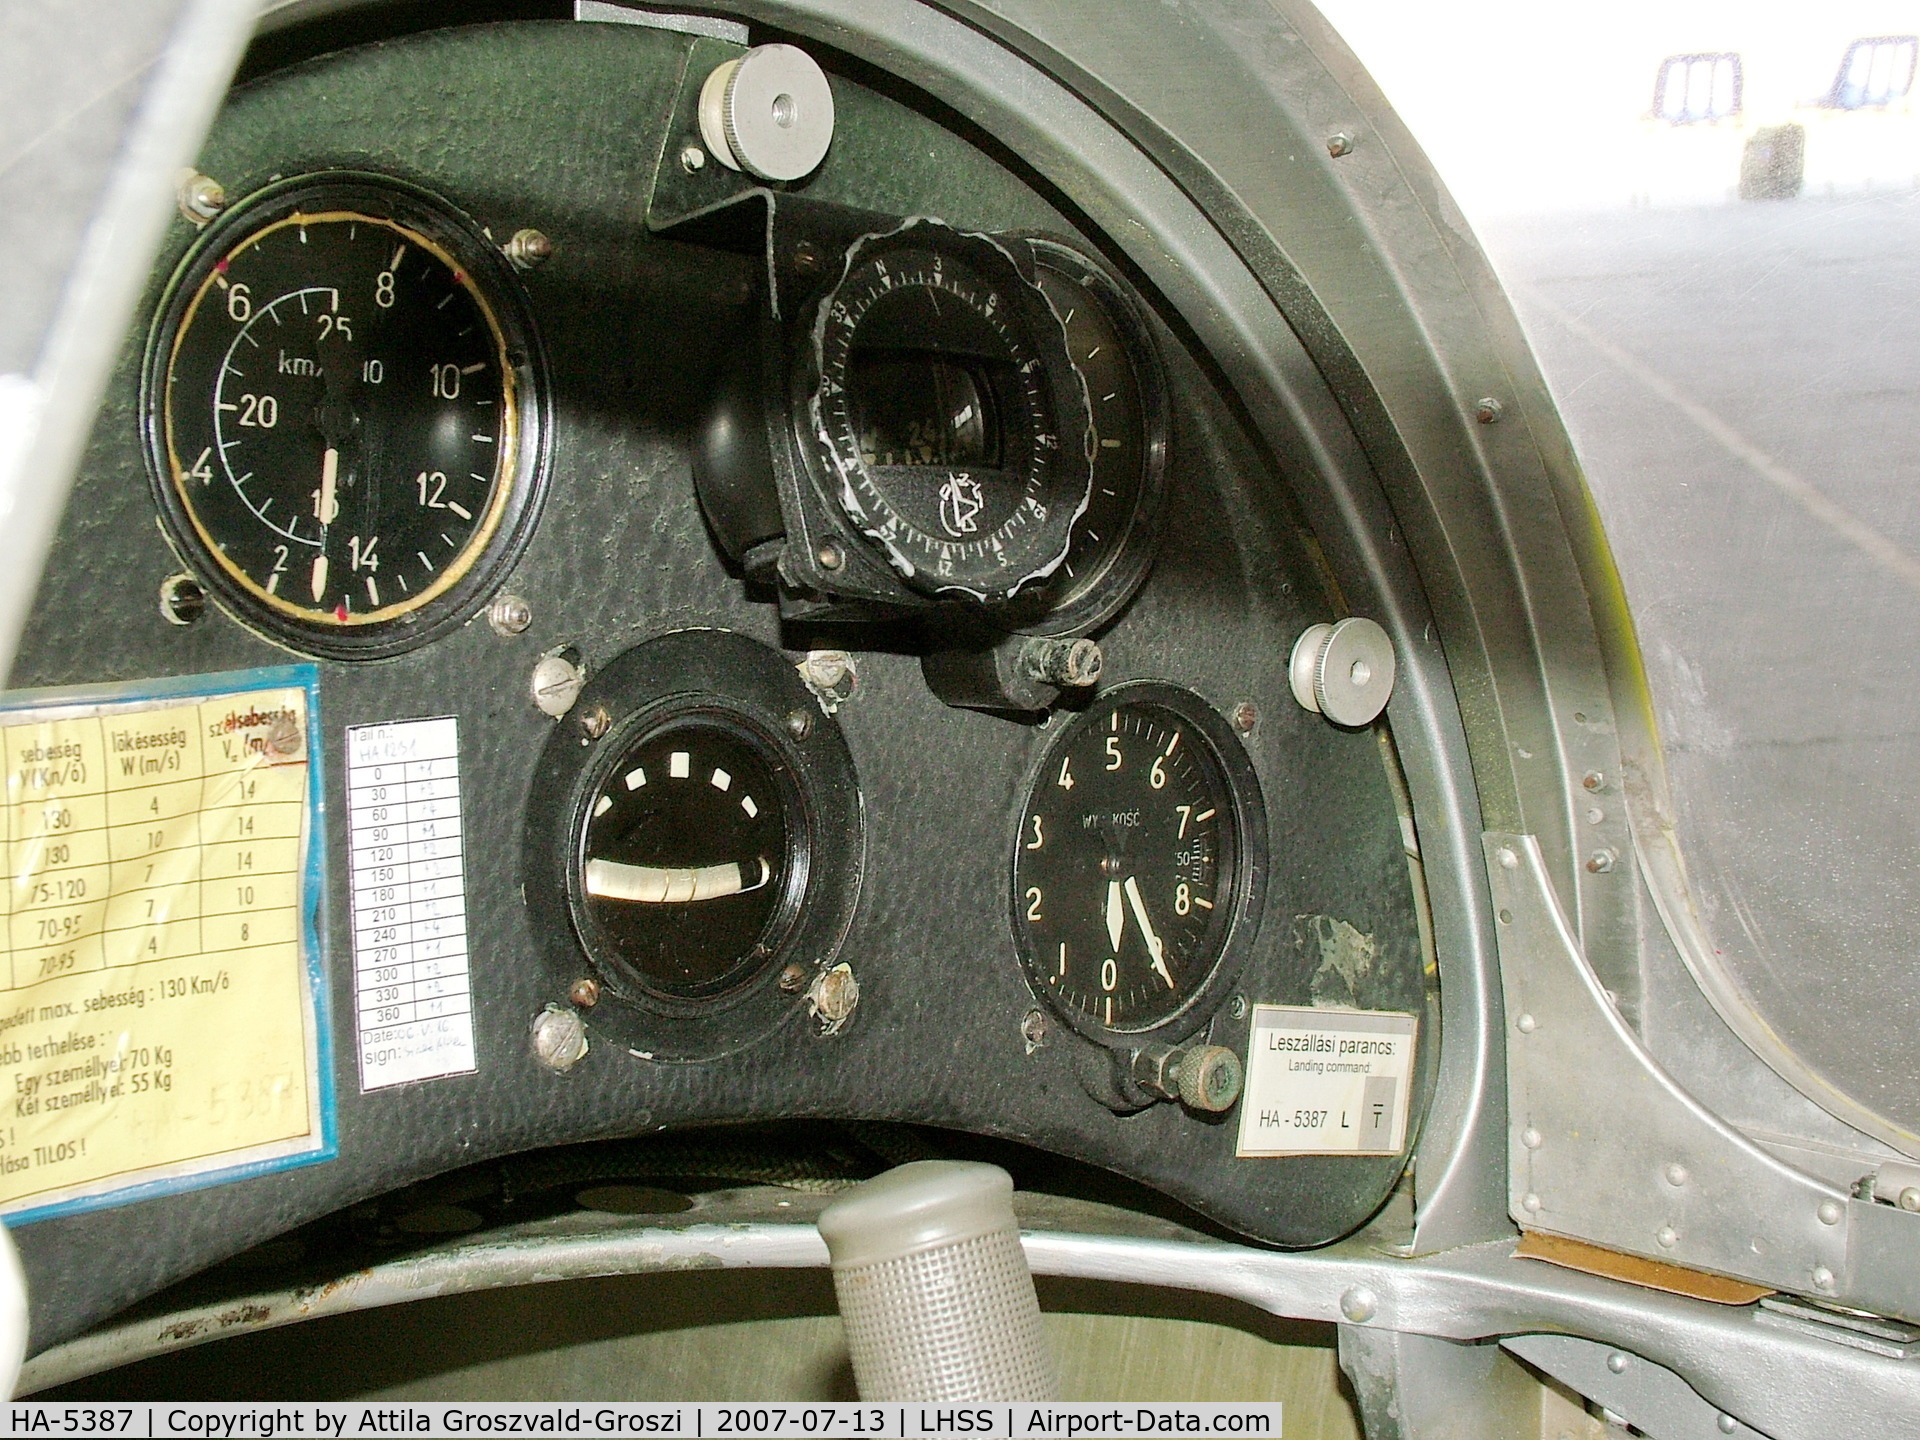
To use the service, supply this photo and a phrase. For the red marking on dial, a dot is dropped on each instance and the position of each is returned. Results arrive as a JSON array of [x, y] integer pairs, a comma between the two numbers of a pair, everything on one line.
[[340, 612]]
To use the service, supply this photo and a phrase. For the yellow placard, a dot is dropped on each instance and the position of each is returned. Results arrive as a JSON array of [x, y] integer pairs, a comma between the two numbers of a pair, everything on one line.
[[157, 1013]]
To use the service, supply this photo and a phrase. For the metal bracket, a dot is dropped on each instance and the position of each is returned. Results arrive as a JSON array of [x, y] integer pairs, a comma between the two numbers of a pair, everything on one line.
[[1649, 1397], [1604, 1146]]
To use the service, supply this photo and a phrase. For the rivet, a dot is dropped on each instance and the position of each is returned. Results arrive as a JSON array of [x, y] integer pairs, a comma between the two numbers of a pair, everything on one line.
[[1593, 781], [1676, 1174], [1508, 860], [1725, 1423], [509, 615], [1532, 1138], [1667, 1236], [1526, 1024], [1822, 1278], [1595, 815], [585, 992], [1487, 410], [1359, 1304], [1909, 1198], [1506, 917], [1339, 144], [1829, 1212], [1530, 1203], [829, 555], [692, 158], [1617, 1363]]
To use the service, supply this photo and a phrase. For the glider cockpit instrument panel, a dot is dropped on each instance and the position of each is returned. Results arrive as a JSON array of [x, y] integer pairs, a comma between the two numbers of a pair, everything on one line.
[[688, 644]]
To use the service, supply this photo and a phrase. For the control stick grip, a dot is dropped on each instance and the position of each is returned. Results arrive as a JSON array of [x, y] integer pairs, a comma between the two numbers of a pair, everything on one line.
[[934, 1287]]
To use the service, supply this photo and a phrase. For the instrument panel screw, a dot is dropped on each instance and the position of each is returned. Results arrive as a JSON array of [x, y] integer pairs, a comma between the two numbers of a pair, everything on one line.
[[1487, 410], [1243, 717], [585, 992], [833, 996], [557, 681], [793, 978], [1359, 1304], [1339, 144], [830, 556], [1593, 782], [183, 599], [1829, 1212], [1600, 862], [799, 724], [692, 158], [509, 615], [527, 249], [596, 722], [559, 1038], [201, 197], [1033, 1030], [1237, 1008]]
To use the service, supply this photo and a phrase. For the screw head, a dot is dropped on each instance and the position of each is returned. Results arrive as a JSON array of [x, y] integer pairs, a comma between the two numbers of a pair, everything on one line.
[[1359, 1304], [1600, 862], [1339, 144], [556, 684], [1237, 1007], [793, 978], [1033, 1029], [799, 724], [1593, 782], [527, 249], [1487, 410], [201, 197], [183, 599], [830, 555], [596, 722], [692, 158], [509, 615], [585, 992], [1243, 717], [559, 1038]]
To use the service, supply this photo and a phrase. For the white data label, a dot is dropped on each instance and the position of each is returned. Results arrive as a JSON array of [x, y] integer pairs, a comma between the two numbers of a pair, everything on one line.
[[1326, 1082], [412, 992]]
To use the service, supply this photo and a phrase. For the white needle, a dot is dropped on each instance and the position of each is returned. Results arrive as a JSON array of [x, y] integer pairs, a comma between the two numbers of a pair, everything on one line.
[[1116, 914], [329, 477], [1154, 948]]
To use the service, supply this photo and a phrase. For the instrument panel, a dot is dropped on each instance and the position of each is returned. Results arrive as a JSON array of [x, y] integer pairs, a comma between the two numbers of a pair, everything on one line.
[[867, 635]]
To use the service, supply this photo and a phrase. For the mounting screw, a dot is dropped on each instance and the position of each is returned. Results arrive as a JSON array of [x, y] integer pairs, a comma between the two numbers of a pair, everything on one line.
[[559, 1038], [585, 992], [1532, 1138], [1339, 144], [1829, 1212], [830, 556], [183, 599], [1487, 410], [1243, 717], [596, 722], [1359, 1304], [1067, 663], [1676, 1174], [799, 724], [1600, 862], [1033, 1030], [833, 996], [556, 682], [1822, 1278], [1237, 1007], [1593, 781], [692, 158], [1617, 1363], [509, 615], [1667, 1236], [527, 249], [793, 977], [200, 196]]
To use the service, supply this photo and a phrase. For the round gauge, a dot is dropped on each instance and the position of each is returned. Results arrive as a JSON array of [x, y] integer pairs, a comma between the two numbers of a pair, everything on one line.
[[344, 412], [947, 412], [692, 859], [1139, 864], [1113, 541]]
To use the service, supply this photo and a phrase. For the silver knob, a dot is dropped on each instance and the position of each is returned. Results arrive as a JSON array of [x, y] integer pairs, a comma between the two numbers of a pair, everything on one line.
[[769, 113], [1343, 671]]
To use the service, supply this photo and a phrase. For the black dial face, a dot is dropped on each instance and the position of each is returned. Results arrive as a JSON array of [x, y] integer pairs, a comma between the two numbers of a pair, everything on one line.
[[1135, 860], [1113, 540], [341, 423], [690, 864], [949, 416]]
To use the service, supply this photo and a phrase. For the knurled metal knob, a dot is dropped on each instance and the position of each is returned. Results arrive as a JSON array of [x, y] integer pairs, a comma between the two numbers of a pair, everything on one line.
[[769, 113], [1343, 671], [1210, 1078]]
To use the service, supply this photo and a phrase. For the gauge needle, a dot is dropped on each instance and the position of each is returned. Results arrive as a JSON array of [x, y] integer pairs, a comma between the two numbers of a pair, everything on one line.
[[329, 481], [1154, 947], [672, 884], [1116, 914]]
